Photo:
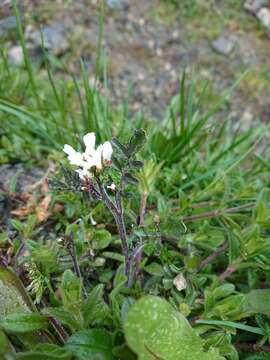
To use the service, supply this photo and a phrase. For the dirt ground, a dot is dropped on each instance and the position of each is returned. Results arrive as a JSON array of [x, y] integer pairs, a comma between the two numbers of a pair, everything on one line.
[[148, 44]]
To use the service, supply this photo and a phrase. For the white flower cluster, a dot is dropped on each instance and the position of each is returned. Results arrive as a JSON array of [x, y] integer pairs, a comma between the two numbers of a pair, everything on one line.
[[91, 159]]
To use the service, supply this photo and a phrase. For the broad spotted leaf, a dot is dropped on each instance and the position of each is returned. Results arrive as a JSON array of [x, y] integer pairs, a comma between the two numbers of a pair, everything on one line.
[[155, 330]]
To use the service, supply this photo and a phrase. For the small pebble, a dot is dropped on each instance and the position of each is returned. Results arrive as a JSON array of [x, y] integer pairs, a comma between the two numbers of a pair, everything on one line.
[[254, 6], [15, 55], [167, 67], [264, 16], [223, 45]]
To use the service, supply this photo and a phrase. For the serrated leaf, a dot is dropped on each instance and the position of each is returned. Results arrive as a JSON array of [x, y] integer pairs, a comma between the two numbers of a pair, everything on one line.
[[91, 345], [56, 185], [72, 181]]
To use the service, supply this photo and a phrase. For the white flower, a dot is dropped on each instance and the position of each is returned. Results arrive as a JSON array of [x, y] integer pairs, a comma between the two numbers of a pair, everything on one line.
[[112, 186], [91, 159], [83, 173], [74, 157], [107, 152], [89, 142]]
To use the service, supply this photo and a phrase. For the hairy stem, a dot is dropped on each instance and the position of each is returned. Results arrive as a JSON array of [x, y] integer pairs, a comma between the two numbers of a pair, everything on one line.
[[117, 212]]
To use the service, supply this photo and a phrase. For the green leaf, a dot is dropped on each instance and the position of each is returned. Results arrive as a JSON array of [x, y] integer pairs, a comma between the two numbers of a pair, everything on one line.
[[102, 238], [91, 345], [71, 291], [94, 308], [46, 352], [64, 317], [136, 142], [122, 352], [258, 301], [120, 146], [5, 345], [136, 164], [154, 269], [155, 330], [235, 325], [23, 323], [129, 179], [14, 297]]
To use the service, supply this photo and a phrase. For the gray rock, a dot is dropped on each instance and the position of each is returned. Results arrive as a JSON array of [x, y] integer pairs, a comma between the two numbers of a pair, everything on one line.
[[223, 45], [54, 37], [118, 4], [7, 26], [25, 176], [254, 6], [15, 55], [264, 16]]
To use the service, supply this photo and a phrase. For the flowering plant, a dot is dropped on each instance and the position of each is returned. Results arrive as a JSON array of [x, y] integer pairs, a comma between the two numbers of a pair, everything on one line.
[[91, 160], [103, 173]]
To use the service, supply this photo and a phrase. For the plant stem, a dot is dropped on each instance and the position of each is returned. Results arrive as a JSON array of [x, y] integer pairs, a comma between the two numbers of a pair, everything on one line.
[[212, 256], [61, 332], [216, 213], [252, 347], [117, 212], [227, 272], [69, 244], [142, 208]]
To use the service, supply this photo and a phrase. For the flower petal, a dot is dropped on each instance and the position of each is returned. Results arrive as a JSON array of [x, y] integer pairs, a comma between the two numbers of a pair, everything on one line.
[[112, 187], [89, 141], [98, 157], [83, 173], [107, 151], [76, 159], [69, 149]]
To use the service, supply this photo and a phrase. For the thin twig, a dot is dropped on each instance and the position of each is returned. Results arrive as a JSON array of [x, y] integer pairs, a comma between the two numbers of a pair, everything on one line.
[[213, 256], [69, 244], [252, 347], [228, 272], [117, 212], [61, 332], [217, 213]]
